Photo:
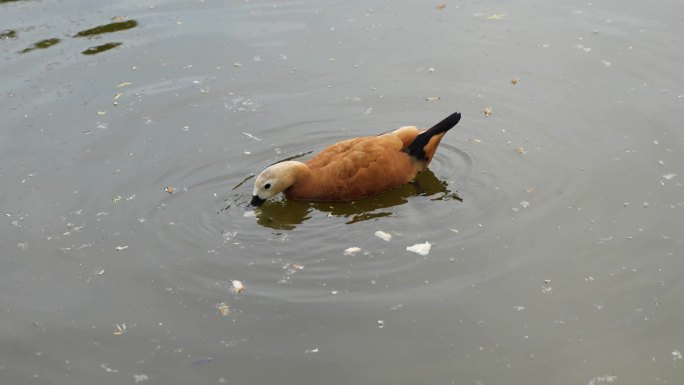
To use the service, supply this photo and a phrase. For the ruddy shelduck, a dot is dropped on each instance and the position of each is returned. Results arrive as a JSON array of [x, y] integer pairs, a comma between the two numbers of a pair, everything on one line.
[[355, 168]]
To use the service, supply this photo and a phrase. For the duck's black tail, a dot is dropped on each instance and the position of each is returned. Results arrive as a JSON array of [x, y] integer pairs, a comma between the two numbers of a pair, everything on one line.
[[417, 148]]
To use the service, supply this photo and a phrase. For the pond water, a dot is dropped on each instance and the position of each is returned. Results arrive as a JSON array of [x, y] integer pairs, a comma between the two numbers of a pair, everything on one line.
[[132, 131]]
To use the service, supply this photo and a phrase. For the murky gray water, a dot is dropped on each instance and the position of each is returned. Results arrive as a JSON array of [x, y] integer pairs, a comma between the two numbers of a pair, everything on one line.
[[555, 222]]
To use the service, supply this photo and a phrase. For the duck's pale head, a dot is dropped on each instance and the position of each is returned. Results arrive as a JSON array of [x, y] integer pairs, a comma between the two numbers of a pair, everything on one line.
[[274, 180]]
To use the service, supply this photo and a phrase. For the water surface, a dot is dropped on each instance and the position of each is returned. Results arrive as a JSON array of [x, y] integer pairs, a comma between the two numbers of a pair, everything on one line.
[[132, 131]]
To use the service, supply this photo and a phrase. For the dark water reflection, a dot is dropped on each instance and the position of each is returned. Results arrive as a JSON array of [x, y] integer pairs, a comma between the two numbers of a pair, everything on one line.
[[88, 33], [41, 45], [108, 28], [101, 48], [8, 34]]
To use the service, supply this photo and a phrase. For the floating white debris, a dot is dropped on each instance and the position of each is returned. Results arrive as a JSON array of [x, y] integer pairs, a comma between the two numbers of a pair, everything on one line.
[[381, 323], [602, 379], [676, 355], [223, 309], [385, 236], [238, 287], [525, 204], [249, 214], [420, 248], [669, 176], [140, 377], [314, 350], [119, 248], [247, 134], [519, 308], [107, 369], [120, 329], [352, 250]]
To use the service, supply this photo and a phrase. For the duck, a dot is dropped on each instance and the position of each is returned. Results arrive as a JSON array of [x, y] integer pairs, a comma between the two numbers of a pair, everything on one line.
[[355, 168]]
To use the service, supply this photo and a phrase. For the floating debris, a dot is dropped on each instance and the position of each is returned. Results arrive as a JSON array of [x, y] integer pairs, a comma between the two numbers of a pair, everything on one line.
[[381, 324], [120, 329], [107, 369], [676, 355], [420, 248], [385, 236], [140, 377], [314, 350], [432, 98], [602, 379], [169, 189], [487, 111], [669, 176], [119, 248], [124, 84], [496, 16], [223, 309], [238, 287], [520, 150], [247, 134], [515, 81], [352, 250], [295, 267], [249, 214], [518, 308]]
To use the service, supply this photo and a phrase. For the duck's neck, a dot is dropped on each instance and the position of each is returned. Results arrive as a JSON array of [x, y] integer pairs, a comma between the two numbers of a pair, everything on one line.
[[297, 171]]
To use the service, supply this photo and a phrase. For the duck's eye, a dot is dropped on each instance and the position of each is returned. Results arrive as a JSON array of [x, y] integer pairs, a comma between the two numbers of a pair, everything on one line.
[[267, 186]]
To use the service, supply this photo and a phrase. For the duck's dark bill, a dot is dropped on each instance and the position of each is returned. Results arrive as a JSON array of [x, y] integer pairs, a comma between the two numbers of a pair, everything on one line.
[[256, 201]]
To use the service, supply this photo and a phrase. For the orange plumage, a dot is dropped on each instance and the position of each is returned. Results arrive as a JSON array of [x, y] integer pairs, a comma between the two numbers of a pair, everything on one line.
[[355, 168]]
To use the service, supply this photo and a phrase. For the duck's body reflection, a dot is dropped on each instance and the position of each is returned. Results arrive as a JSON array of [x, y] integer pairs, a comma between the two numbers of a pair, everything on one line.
[[286, 214]]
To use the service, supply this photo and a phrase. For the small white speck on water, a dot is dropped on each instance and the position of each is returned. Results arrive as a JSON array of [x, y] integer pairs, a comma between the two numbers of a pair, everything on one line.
[[385, 236], [420, 248], [352, 250]]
